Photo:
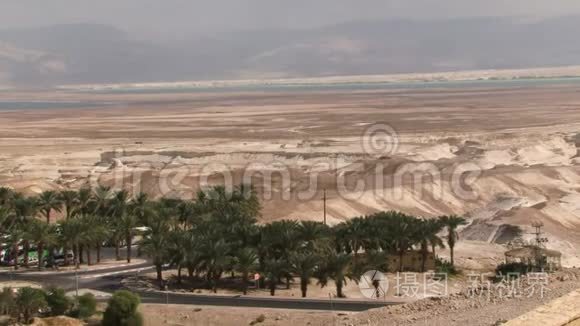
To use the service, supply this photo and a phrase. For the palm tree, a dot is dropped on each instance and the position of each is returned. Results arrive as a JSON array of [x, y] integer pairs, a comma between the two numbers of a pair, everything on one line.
[[6, 195], [281, 238], [186, 212], [29, 302], [180, 245], [70, 201], [25, 209], [434, 240], [452, 222], [336, 266], [47, 202], [14, 240], [127, 223], [73, 233], [6, 218], [7, 304], [116, 235], [141, 207], [216, 259], [156, 246], [100, 233], [313, 235], [374, 260], [403, 229], [122, 222], [96, 233], [426, 234], [43, 235], [275, 269], [305, 265], [245, 262], [102, 200], [355, 234], [86, 201]]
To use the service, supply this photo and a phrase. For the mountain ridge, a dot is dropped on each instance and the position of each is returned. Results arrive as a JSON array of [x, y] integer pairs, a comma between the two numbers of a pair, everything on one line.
[[92, 53]]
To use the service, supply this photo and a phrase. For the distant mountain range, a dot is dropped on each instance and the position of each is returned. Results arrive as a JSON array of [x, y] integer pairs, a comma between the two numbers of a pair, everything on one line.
[[85, 53]]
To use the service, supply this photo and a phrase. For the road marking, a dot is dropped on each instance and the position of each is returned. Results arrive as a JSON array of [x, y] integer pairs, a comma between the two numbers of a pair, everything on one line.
[[68, 272], [125, 271]]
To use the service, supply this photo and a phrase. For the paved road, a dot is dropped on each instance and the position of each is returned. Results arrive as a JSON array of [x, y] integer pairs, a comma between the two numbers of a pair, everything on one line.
[[92, 279], [262, 302], [108, 280]]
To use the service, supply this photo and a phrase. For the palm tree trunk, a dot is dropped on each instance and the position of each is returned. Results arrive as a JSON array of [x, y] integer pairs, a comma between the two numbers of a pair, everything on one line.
[[47, 217], [50, 257], [245, 282], [288, 279], [355, 250], [433, 250], [452, 254], [304, 286], [26, 250], [129, 240], [139, 253], [424, 254], [89, 260], [98, 252], [65, 250], [117, 253], [273, 287], [339, 285], [159, 275], [215, 281], [179, 274], [81, 250], [15, 255], [26, 315], [76, 255], [401, 255], [40, 252]]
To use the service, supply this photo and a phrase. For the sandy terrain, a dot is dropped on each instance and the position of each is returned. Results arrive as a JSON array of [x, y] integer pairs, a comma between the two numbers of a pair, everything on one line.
[[458, 309], [155, 315], [499, 156]]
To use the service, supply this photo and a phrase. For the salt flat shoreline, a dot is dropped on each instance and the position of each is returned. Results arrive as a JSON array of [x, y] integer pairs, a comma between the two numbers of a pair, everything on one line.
[[454, 76]]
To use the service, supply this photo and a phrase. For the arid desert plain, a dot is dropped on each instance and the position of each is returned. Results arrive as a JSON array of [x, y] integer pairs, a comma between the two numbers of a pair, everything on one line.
[[501, 156]]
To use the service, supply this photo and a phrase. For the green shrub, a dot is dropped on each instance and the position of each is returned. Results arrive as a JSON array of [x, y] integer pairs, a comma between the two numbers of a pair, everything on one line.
[[7, 304], [58, 303], [86, 306], [443, 266], [122, 310], [29, 302]]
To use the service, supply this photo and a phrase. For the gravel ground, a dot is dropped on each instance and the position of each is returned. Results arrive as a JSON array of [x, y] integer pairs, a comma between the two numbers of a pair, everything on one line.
[[457, 309], [463, 309]]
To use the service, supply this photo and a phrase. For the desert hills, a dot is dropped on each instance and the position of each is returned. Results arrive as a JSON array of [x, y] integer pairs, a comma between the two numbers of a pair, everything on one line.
[[501, 157]]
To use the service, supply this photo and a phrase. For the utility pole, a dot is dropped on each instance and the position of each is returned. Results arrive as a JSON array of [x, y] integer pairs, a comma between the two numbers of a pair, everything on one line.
[[166, 305], [540, 241], [324, 205]]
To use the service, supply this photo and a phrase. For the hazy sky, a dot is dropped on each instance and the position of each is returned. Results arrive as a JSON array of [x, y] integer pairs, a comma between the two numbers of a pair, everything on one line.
[[167, 18]]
